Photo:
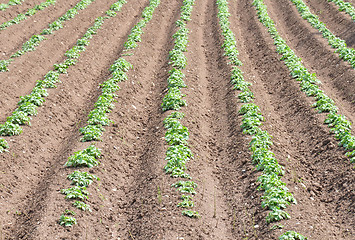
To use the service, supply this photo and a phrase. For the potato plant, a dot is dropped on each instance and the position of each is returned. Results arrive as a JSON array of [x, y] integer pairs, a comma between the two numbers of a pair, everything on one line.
[[291, 235], [85, 158], [178, 152], [67, 221], [3, 145]]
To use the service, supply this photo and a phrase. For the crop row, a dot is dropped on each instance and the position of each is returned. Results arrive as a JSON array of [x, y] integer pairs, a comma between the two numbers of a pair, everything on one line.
[[338, 123], [178, 152], [30, 12], [345, 7], [98, 118], [276, 196], [4, 6], [345, 53], [35, 40], [27, 106]]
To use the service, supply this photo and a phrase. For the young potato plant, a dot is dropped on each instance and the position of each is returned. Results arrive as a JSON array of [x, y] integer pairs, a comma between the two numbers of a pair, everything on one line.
[[82, 179], [10, 129], [85, 158], [347, 54], [82, 206], [67, 221], [276, 196], [30, 12], [178, 152], [75, 193], [291, 235], [187, 202], [345, 7], [3, 145], [173, 100], [308, 82], [35, 40], [191, 214]]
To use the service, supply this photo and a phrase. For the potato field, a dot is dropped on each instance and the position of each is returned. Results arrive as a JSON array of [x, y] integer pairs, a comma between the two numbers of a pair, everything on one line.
[[180, 119]]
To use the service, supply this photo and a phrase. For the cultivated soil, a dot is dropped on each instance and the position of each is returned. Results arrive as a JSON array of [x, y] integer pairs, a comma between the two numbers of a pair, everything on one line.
[[134, 198]]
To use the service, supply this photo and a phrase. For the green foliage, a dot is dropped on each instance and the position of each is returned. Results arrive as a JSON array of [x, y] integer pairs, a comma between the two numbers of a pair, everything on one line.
[[10, 129], [92, 133], [82, 206], [291, 235], [4, 65], [85, 158], [277, 215], [82, 179], [34, 98], [67, 221], [29, 46], [191, 214], [75, 193], [173, 100], [29, 108], [345, 7], [19, 117], [98, 117], [187, 202], [3, 145], [177, 157], [121, 65], [185, 186], [178, 135], [175, 79]]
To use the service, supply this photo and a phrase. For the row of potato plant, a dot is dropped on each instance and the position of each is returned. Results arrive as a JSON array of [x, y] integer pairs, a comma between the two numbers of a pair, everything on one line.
[[178, 152], [338, 123], [27, 106], [345, 7], [97, 119], [30, 12], [34, 41], [276, 196], [345, 53], [4, 6]]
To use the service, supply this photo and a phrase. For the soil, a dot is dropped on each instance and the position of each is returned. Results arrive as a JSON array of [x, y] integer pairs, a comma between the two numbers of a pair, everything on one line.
[[134, 198]]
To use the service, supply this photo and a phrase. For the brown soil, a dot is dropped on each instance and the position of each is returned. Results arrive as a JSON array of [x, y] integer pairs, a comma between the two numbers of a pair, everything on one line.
[[134, 199]]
